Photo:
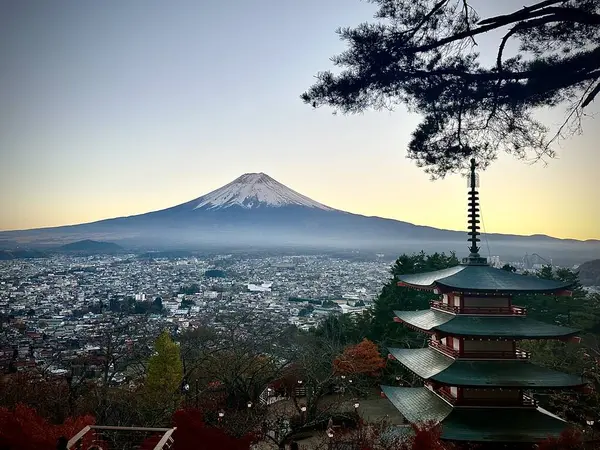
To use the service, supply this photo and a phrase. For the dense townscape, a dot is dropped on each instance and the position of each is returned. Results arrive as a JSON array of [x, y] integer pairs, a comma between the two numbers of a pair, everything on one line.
[[64, 301]]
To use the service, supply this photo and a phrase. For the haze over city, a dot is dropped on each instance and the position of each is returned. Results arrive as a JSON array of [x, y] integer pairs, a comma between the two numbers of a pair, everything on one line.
[[118, 108]]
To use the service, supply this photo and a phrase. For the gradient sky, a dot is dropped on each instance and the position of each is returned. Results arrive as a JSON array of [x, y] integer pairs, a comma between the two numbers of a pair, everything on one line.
[[118, 107]]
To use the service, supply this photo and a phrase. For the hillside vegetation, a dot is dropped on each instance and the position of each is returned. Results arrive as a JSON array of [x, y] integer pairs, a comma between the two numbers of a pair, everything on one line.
[[589, 273]]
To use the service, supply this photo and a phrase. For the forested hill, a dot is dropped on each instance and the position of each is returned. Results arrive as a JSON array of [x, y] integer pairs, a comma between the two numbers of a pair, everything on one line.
[[21, 254], [88, 245], [589, 273]]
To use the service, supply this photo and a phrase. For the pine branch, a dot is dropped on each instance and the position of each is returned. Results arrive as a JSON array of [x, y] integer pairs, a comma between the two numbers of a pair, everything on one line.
[[590, 97], [492, 23], [428, 16]]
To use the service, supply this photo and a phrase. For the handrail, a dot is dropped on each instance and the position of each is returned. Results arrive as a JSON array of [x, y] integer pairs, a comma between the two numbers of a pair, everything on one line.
[[444, 306], [479, 354], [443, 348], [525, 400], [166, 437], [529, 401], [78, 436], [166, 434], [117, 428], [446, 396], [500, 310]]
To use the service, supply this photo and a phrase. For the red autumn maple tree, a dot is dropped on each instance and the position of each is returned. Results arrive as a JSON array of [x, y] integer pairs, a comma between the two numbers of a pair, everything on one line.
[[49, 396], [569, 439], [22, 428], [362, 358], [426, 436], [375, 436], [194, 434]]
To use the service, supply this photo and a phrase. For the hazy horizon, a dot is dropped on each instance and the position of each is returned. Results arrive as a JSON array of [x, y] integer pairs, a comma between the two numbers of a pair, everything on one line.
[[459, 230], [117, 109]]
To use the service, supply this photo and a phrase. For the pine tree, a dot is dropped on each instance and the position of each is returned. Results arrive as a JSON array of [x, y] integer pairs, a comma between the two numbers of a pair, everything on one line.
[[424, 54], [383, 329], [165, 369]]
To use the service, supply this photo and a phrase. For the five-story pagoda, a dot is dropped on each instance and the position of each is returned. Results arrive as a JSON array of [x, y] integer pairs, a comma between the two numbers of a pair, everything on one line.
[[477, 382]]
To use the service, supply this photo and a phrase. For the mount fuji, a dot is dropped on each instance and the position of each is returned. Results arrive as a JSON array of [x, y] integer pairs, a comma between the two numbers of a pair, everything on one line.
[[255, 190], [257, 211]]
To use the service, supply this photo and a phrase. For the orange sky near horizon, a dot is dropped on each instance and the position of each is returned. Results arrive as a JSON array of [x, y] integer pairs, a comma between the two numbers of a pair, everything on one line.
[[516, 198]]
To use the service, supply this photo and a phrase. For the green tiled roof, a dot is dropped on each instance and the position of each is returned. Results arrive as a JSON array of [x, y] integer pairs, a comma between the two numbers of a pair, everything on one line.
[[474, 424], [425, 362], [428, 279], [484, 279], [516, 327], [425, 319], [430, 364], [501, 425], [505, 373], [417, 404]]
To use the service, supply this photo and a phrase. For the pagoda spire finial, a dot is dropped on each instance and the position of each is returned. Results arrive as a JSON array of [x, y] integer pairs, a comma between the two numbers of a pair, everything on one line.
[[473, 216]]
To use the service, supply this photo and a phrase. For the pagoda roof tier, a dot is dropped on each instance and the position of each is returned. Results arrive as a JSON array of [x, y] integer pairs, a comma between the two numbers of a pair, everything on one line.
[[511, 327], [430, 364], [418, 404], [474, 424], [481, 279]]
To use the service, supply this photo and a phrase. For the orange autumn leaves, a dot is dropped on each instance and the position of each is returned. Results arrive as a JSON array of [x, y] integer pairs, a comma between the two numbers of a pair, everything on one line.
[[360, 359]]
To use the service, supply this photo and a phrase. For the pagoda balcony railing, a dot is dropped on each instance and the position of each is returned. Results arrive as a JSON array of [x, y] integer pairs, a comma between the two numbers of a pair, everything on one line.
[[500, 310], [479, 354], [524, 401]]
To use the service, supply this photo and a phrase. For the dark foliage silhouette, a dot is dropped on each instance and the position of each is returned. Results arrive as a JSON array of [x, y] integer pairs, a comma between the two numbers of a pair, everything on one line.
[[422, 53]]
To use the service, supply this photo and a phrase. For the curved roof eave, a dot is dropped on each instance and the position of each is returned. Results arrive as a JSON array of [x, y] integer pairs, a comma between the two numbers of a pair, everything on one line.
[[482, 279], [499, 291]]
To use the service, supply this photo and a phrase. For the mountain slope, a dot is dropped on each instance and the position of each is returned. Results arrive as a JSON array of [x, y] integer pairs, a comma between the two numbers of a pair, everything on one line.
[[256, 210]]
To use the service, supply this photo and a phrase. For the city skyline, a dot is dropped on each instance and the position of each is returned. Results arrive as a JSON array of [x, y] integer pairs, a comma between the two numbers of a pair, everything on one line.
[[122, 110]]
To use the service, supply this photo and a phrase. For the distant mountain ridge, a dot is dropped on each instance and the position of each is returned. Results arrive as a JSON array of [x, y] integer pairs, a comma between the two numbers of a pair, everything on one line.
[[256, 211]]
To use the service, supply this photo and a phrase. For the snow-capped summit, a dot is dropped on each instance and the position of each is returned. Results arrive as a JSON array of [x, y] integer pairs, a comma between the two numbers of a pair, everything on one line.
[[255, 190]]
